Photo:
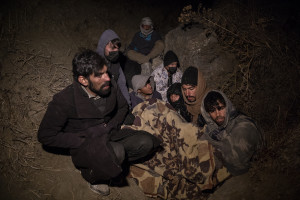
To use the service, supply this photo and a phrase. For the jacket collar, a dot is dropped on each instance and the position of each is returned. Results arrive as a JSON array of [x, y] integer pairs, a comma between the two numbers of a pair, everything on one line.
[[84, 106]]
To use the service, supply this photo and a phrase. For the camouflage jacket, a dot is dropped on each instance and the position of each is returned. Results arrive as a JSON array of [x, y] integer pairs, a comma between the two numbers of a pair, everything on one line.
[[238, 139]]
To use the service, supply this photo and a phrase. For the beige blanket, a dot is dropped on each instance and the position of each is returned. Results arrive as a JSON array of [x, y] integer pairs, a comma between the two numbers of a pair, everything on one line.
[[185, 166]]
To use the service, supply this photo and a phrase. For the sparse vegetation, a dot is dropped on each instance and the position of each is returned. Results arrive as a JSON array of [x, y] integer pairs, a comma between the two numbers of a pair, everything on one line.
[[265, 83], [39, 38]]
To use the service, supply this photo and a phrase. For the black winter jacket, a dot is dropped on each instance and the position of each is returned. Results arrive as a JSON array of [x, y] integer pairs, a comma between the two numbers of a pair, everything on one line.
[[73, 121]]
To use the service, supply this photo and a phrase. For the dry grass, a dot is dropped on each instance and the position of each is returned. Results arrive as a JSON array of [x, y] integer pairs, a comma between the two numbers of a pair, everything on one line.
[[27, 87]]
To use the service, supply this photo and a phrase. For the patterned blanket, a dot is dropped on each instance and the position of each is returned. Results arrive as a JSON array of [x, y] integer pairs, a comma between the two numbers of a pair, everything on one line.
[[185, 166]]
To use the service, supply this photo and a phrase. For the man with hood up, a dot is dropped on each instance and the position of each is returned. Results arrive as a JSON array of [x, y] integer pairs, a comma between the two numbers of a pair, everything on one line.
[[108, 47], [145, 46], [193, 87], [235, 135], [175, 98]]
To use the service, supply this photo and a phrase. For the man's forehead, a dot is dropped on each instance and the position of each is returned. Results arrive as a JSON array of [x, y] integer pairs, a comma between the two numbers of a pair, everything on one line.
[[188, 86], [101, 71], [219, 103]]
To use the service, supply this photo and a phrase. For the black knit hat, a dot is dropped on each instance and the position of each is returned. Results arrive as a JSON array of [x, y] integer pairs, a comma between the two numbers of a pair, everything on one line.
[[190, 76], [170, 57]]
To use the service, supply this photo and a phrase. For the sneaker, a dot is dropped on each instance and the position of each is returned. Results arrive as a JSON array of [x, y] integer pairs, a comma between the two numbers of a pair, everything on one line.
[[102, 189]]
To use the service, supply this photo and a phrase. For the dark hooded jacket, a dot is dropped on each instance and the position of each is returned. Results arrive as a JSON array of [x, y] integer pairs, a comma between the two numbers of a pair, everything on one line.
[[143, 44], [73, 121], [114, 68], [238, 139], [179, 105]]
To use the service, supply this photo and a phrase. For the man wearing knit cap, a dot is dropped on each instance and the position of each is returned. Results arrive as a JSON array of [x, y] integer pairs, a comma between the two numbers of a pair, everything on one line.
[[143, 89], [144, 48], [167, 74], [194, 88]]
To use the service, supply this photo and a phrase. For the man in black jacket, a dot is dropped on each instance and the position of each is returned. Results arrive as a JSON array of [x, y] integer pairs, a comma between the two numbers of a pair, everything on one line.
[[86, 117]]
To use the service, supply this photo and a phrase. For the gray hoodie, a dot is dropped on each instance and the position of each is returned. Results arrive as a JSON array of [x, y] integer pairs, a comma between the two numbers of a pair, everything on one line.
[[239, 137], [114, 68]]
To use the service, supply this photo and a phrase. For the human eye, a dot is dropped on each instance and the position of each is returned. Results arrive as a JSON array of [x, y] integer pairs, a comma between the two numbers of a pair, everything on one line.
[[191, 88], [99, 75]]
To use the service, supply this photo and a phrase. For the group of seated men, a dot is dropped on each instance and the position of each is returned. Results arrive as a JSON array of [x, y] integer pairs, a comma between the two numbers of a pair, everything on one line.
[[88, 118]]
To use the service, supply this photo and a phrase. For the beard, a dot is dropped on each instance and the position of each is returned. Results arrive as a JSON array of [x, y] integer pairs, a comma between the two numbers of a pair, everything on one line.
[[191, 98], [101, 92], [220, 120]]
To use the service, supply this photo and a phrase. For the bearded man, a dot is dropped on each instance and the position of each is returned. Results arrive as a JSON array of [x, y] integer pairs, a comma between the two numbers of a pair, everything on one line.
[[193, 86], [236, 136], [86, 117]]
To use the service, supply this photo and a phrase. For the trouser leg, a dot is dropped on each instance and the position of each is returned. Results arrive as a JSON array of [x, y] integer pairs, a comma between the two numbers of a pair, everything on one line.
[[131, 68], [137, 144], [117, 149]]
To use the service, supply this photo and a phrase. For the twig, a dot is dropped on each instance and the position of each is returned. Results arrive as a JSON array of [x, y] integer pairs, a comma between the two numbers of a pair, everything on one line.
[[36, 194]]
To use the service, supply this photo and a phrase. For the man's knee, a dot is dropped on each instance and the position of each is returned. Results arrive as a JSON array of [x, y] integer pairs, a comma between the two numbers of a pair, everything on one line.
[[148, 142], [119, 151]]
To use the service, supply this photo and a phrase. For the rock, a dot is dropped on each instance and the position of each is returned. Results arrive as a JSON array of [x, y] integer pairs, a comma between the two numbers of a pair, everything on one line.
[[199, 47]]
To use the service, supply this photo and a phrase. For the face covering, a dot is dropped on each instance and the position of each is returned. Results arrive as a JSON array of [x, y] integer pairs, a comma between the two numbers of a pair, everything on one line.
[[113, 56], [172, 70], [176, 104], [146, 32]]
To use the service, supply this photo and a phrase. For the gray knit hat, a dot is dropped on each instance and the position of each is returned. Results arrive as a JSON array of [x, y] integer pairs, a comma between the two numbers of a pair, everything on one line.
[[139, 81]]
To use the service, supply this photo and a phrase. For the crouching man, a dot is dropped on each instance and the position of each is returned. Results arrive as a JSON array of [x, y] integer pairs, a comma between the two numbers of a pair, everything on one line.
[[235, 135], [86, 117]]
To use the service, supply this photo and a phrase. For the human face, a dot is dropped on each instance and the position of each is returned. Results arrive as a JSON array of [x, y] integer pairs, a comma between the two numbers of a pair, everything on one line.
[[146, 27], [189, 92], [173, 64], [110, 48], [172, 68], [146, 90], [218, 114], [99, 84], [174, 97]]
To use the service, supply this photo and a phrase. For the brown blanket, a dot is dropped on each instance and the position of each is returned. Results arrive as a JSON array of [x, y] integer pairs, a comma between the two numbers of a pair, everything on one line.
[[185, 166]]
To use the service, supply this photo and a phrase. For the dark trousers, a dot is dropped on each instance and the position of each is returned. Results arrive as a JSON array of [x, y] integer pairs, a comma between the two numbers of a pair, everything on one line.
[[136, 144], [131, 68], [101, 159]]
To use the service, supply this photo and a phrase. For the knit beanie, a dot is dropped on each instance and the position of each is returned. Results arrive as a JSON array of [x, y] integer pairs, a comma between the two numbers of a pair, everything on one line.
[[190, 76], [139, 81], [170, 57]]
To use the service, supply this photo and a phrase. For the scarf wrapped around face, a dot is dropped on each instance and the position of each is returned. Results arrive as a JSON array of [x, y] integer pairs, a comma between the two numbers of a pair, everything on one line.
[[195, 107]]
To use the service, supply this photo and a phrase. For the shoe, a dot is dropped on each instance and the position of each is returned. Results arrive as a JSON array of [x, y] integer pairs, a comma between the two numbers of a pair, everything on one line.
[[102, 189]]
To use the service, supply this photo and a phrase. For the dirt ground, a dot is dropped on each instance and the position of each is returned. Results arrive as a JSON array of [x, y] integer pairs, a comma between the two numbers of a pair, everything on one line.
[[38, 40]]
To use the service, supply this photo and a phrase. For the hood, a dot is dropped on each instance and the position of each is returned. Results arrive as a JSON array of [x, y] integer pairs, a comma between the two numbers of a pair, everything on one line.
[[195, 107], [105, 38], [175, 88], [230, 111], [139, 81]]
